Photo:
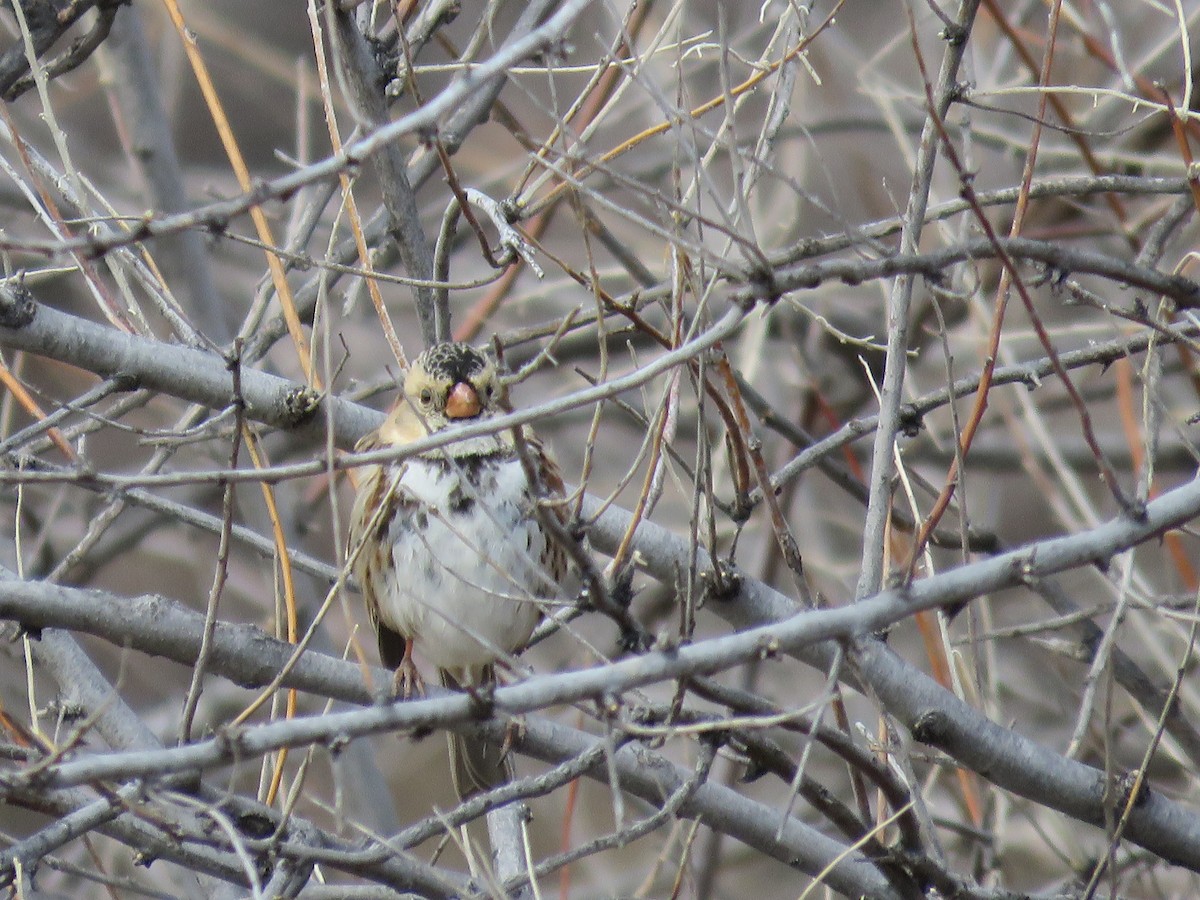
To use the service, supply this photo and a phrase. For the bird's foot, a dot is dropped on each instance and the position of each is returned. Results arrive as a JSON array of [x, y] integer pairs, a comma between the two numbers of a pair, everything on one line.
[[407, 680]]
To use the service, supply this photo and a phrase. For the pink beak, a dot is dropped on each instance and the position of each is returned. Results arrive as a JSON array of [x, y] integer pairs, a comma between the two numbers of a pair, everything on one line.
[[463, 402]]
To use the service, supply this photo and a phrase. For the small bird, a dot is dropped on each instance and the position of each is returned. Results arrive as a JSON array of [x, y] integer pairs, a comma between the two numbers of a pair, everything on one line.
[[454, 557]]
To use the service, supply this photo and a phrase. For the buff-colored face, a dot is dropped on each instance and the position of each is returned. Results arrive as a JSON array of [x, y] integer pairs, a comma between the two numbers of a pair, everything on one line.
[[451, 383]]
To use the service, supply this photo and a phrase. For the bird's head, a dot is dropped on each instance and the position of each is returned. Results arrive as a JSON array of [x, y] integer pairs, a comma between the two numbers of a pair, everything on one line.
[[453, 383]]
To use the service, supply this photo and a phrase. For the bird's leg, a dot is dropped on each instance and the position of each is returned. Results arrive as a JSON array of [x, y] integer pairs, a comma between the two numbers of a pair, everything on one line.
[[515, 729], [407, 678]]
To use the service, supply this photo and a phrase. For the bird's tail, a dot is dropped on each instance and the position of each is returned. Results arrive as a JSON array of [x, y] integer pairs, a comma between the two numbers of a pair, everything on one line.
[[477, 763]]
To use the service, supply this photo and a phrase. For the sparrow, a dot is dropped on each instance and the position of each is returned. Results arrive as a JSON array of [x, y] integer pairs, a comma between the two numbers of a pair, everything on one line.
[[454, 558]]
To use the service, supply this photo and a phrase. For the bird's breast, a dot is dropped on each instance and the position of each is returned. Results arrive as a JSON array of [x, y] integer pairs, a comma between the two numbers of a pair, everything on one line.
[[467, 552]]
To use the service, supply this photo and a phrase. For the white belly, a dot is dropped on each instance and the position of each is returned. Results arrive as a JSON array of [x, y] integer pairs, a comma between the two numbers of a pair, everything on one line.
[[467, 561]]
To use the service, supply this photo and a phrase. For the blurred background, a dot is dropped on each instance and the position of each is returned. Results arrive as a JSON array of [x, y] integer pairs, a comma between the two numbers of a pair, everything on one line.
[[660, 158]]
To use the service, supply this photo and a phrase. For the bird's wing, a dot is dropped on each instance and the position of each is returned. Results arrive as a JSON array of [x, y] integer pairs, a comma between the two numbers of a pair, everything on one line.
[[372, 512]]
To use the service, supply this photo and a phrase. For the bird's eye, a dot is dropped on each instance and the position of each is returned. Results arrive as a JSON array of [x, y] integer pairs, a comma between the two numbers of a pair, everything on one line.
[[426, 396], [488, 390]]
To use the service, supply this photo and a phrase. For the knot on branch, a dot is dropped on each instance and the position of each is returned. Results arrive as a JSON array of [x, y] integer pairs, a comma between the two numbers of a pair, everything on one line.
[[723, 582], [255, 825], [299, 404], [1054, 276], [932, 728], [17, 304], [1131, 790], [960, 91], [512, 209], [910, 421], [633, 640], [954, 35], [763, 286]]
